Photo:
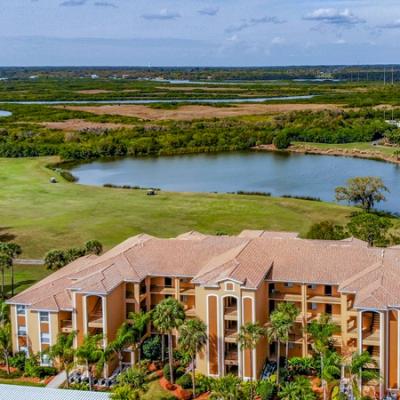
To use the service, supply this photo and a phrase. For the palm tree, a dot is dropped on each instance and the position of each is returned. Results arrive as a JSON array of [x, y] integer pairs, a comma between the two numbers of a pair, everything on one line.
[[290, 312], [300, 388], [124, 338], [6, 344], [139, 322], [91, 353], [5, 262], [4, 313], [226, 388], [331, 370], [248, 338], [356, 369], [63, 352], [167, 316], [192, 338], [321, 332], [12, 250], [276, 332]]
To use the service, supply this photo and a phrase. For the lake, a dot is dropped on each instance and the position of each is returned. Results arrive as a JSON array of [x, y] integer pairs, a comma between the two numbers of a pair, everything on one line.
[[5, 113], [274, 172]]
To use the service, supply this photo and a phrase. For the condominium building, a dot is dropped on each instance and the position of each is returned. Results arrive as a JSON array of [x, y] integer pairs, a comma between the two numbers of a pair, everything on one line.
[[226, 281]]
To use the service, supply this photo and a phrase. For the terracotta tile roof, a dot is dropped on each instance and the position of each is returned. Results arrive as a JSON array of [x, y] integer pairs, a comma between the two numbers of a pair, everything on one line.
[[249, 258]]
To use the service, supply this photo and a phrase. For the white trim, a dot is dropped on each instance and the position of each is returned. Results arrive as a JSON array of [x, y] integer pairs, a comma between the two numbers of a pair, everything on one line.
[[85, 316], [359, 329], [74, 319], [253, 314], [104, 315], [16, 328], [222, 333]]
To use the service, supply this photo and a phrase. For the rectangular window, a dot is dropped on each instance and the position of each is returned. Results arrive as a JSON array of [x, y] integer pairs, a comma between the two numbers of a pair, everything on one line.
[[328, 290], [20, 309], [45, 360], [22, 330], [45, 338], [184, 299], [314, 306], [288, 284], [44, 316], [328, 308], [168, 282], [312, 286]]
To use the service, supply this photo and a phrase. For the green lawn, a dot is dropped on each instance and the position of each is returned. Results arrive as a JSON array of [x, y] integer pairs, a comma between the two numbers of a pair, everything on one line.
[[41, 216], [25, 276], [156, 392]]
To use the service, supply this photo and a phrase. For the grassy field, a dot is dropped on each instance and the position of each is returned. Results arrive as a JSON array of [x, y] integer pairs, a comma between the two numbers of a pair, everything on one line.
[[41, 216], [25, 276]]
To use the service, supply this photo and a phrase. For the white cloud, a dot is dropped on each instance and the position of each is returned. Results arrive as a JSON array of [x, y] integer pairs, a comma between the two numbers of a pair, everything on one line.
[[391, 25], [162, 15], [249, 23], [334, 16], [209, 11], [278, 40]]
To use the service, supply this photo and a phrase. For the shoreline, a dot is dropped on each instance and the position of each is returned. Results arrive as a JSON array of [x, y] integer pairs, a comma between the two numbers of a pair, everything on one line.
[[309, 149]]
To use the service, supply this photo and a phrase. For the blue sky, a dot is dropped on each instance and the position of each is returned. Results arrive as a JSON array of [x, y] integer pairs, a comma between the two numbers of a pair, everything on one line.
[[199, 32]]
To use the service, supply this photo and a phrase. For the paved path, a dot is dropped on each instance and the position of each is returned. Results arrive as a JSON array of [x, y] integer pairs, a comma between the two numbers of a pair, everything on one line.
[[57, 381], [25, 261]]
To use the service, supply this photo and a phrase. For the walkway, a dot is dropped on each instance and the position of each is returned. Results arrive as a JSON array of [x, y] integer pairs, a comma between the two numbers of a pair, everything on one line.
[[14, 392], [57, 381]]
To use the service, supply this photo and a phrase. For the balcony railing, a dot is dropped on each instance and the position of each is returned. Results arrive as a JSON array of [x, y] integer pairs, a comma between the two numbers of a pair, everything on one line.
[[230, 335], [230, 313], [162, 290], [95, 321], [324, 299], [231, 358], [66, 326], [190, 312], [293, 297]]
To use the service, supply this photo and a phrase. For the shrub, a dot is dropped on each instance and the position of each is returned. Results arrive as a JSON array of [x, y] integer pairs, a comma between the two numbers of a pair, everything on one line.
[[326, 230], [68, 176], [151, 348], [12, 375], [34, 370], [203, 383], [178, 372], [185, 381], [301, 366], [18, 360], [266, 389], [79, 386], [281, 141]]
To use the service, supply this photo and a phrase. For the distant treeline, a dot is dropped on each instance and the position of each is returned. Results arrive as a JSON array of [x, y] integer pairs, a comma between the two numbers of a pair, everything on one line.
[[178, 137]]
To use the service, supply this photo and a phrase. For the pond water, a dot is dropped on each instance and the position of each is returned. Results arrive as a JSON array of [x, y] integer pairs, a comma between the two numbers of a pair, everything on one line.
[[167, 101], [276, 173], [5, 113]]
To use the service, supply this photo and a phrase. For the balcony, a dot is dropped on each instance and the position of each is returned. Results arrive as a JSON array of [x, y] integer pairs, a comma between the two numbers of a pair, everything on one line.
[[291, 297], [231, 358], [230, 335], [95, 321], [336, 318], [162, 290], [324, 299], [187, 291], [371, 338], [230, 313], [66, 326], [190, 312], [296, 338]]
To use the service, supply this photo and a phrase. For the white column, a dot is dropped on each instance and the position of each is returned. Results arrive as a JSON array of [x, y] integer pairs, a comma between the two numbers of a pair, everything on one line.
[[85, 315], [104, 312], [359, 329]]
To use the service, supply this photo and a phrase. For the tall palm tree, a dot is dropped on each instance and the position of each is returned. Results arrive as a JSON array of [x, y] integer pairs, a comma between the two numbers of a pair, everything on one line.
[[6, 344], [248, 338], [138, 324], [12, 250], [192, 338], [91, 353], [290, 312], [355, 368], [331, 371], [124, 338], [64, 352], [4, 313], [321, 332], [5, 262], [277, 332], [167, 316]]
